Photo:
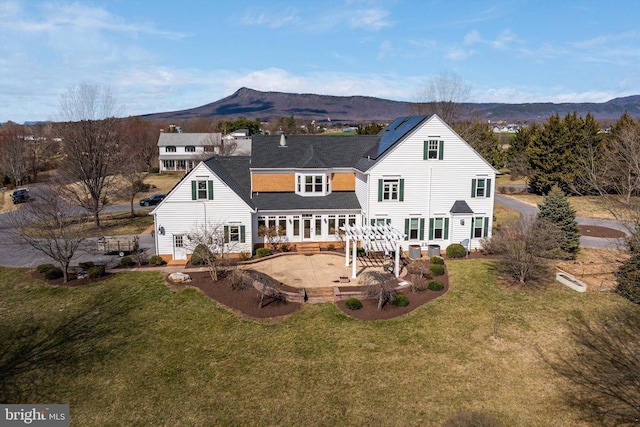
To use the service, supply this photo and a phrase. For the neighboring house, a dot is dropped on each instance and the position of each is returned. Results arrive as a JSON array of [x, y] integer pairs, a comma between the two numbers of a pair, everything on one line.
[[417, 175], [181, 152]]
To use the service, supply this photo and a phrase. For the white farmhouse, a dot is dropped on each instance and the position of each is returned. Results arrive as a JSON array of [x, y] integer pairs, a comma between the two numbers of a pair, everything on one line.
[[417, 175]]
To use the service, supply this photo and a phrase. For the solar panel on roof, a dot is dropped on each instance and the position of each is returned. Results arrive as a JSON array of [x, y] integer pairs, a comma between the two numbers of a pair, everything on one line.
[[394, 132]]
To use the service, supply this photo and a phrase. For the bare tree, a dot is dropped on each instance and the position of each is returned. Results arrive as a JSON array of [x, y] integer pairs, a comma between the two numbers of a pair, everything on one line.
[[379, 285], [40, 148], [206, 242], [91, 139], [444, 95], [525, 246], [50, 225], [14, 158], [602, 366]]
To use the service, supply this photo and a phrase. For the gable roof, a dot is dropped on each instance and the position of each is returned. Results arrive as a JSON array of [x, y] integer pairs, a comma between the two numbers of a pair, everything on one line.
[[234, 171], [184, 139], [393, 133]]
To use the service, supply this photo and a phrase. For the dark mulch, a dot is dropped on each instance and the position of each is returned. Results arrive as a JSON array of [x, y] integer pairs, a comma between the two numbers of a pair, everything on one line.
[[242, 301], [603, 232], [370, 311], [73, 279]]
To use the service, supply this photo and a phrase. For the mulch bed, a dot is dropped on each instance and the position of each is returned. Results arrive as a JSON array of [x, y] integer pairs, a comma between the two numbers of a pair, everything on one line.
[[603, 232], [73, 279]]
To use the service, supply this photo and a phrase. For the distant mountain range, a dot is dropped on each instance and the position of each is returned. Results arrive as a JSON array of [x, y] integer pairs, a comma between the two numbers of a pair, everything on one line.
[[253, 104]]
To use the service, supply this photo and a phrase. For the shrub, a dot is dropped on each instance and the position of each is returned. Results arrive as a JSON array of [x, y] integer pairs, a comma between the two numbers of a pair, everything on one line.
[[126, 262], [353, 304], [201, 255], [96, 271], [419, 283], [42, 268], [53, 273], [244, 256], [420, 267], [239, 280], [456, 250], [156, 260], [437, 260], [86, 265], [437, 270], [284, 247], [361, 252], [400, 300], [435, 285], [262, 252], [331, 247]]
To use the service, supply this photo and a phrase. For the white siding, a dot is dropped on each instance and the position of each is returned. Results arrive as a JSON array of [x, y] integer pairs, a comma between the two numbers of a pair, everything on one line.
[[179, 214], [362, 191], [431, 186]]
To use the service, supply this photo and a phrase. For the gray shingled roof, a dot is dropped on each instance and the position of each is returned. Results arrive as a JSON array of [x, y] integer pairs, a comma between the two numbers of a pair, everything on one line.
[[184, 139], [310, 151], [234, 171], [337, 200], [461, 207]]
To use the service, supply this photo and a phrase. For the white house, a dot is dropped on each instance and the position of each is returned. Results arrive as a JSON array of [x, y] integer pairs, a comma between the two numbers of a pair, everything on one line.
[[181, 152], [417, 175]]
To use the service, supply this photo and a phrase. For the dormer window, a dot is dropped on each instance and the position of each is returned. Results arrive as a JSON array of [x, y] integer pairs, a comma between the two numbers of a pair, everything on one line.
[[312, 184], [170, 149], [190, 149]]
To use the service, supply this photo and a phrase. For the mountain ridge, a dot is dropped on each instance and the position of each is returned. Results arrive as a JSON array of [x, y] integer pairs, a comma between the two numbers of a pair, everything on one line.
[[254, 104]]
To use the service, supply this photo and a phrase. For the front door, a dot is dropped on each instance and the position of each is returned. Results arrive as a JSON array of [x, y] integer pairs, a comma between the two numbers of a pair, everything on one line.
[[306, 228]]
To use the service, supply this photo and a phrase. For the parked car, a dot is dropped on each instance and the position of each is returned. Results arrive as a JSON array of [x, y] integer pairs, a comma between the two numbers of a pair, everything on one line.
[[153, 200], [20, 195]]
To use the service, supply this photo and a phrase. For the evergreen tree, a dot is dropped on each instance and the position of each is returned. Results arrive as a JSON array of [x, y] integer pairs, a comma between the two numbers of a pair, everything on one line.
[[548, 156], [556, 209], [482, 138], [518, 151]]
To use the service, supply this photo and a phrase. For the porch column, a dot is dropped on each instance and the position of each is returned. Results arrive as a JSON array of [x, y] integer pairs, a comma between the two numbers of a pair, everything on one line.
[[355, 254], [346, 252]]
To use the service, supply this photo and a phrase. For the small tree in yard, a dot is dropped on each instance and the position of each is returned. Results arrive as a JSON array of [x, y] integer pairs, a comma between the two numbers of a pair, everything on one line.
[[50, 225], [206, 241], [380, 285], [525, 246], [555, 208]]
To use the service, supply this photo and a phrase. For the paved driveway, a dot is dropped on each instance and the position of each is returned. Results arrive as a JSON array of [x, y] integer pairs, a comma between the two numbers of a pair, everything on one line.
[[585, 241]]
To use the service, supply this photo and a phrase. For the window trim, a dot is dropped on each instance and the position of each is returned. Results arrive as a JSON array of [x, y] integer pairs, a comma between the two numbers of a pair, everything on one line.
[[381, 190], [427, 150], [313, 184], [484, 228], [170, 149], [190, 149], [408, 228], [475, 187], [444, 228], [195, 189]]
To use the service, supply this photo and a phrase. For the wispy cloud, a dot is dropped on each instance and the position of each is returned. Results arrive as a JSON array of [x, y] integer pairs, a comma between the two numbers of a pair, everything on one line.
[[386, 48]]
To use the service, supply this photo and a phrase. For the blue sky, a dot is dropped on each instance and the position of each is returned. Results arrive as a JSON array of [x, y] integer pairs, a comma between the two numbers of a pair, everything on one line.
[[169, 55]]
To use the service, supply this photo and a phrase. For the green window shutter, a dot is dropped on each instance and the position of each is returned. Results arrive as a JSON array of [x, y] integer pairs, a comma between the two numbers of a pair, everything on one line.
[[373, 221], [242, 234], [210, 188], [380, 190], [441, 151], [473, 223], [406, 228], [487, 191], [421, 228], [388, 221], [194, 191], [425, 151], [446, 228], [402, 190], [226, 234], [431, 223], [486, 227], [473, 187]]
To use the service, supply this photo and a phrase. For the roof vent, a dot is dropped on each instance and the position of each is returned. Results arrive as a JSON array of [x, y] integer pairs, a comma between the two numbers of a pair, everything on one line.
[[283, 140]]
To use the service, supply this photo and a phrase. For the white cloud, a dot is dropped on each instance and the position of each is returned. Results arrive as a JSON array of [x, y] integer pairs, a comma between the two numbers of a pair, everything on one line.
[[472, 38], [386, 48], [458, 54], [369, 19]]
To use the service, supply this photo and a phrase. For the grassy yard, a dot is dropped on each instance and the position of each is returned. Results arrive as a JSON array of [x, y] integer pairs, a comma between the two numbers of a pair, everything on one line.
[[133, 351], [585, 206]]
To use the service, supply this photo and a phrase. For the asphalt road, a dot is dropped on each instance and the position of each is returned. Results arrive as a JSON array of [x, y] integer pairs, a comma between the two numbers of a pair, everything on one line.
[[585, 241]]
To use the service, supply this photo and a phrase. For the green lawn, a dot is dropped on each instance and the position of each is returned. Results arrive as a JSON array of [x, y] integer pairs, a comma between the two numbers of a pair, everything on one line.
[[133, 351]]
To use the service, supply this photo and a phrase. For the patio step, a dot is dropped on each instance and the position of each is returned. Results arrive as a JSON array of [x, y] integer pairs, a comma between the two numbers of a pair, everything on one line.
[[307, 248], [319, 294]]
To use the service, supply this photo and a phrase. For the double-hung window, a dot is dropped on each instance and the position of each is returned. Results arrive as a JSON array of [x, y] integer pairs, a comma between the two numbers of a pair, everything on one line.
[[481, 187], [438, 228], [414, 228], [433, 150], [391, 189], [202, 189], [234, 234], [480, 227]]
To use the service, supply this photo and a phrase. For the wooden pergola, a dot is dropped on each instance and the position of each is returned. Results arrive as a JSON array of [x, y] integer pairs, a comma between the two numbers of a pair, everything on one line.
[[384, 238]]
